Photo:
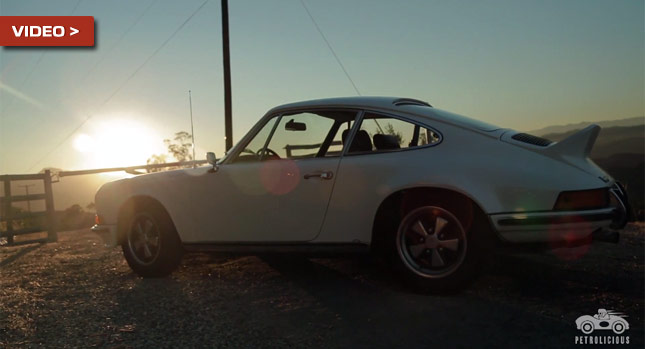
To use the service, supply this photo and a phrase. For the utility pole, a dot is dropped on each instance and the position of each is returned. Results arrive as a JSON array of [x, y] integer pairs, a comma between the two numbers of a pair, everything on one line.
[[192, 129], [228, 122], [26, 186]]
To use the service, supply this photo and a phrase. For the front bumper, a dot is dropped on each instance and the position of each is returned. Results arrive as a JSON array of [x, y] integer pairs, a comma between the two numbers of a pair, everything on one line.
[[107, 232]]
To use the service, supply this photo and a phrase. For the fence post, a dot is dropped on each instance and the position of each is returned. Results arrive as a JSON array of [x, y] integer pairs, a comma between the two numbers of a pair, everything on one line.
[[7, 209], [52, 236]]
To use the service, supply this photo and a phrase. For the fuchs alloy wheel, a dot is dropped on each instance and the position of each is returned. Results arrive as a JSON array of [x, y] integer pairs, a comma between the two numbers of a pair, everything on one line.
[[151, 245], [431, 242], [435, 253], [144, 239]]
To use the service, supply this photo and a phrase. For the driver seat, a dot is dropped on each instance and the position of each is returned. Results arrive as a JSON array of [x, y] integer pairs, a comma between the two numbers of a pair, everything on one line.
[[361, 142]]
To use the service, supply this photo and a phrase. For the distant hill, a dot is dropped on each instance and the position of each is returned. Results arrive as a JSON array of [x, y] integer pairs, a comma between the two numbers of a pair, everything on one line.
[[612, 140], [639, 120]]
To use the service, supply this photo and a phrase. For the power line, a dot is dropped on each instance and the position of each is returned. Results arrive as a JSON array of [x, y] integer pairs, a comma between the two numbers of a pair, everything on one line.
[[118, 41], [150, 57], [76, 6], [107, 100], [24, 81], [330, 47], [40, 58], [114, 45]]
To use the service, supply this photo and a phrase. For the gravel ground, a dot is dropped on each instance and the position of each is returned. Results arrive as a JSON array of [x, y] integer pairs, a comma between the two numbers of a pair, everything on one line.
[[76, 293]]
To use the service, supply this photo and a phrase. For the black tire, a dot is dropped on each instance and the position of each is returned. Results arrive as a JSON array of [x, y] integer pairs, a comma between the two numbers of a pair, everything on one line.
[[151, 245], [587, 327], [423, 270], [618, 327]]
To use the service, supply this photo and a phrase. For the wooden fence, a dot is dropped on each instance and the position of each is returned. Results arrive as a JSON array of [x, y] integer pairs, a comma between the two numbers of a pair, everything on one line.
[[14, 222]]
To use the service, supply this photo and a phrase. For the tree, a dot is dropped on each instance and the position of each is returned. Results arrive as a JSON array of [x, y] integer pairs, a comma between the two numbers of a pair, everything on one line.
[[389, 129], [24, 222], [74, 217], [180, 148], [423, 138], [74, 210], [156, 159]]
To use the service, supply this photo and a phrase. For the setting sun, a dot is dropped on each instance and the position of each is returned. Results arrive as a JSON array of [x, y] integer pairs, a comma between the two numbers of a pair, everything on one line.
[[116, 143]]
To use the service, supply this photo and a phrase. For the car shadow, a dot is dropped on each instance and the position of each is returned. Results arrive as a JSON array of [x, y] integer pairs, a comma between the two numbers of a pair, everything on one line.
[[371, 299], [322, 276]]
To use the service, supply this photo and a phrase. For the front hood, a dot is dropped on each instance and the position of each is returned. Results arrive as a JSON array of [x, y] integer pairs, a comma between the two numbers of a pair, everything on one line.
[[142, 180], [154, 176]]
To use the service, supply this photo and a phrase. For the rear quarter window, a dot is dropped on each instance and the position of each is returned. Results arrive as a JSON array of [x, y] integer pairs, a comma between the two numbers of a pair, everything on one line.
[[380, 133]]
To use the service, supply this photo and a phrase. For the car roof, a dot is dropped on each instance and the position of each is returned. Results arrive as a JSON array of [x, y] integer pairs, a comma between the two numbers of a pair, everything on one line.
[[356, 101], [392, 104]]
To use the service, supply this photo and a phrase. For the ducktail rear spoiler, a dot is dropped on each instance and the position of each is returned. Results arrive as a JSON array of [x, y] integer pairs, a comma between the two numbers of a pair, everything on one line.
[[573, 150], [578, 145]]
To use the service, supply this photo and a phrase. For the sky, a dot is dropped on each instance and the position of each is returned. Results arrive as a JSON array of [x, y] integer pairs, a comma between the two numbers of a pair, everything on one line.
[[518, 64]]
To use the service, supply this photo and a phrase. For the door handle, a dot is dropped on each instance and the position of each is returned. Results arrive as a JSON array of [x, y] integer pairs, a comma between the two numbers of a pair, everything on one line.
[[321, 175]]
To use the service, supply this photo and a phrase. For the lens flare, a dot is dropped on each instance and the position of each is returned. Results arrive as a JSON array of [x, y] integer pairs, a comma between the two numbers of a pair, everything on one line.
[[118, 142], [280, 177], [578, 241], [84, 143]]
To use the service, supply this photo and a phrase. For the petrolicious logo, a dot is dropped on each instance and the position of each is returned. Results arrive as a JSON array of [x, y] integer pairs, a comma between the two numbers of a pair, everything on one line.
[[605, 327]]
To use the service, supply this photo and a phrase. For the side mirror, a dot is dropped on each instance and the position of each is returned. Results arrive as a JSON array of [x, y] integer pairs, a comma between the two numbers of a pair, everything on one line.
[[212, 160], [210, 157], [295, 126]]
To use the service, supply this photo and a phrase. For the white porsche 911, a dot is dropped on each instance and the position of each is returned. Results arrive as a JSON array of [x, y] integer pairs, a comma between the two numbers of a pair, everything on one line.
[[427, 188]]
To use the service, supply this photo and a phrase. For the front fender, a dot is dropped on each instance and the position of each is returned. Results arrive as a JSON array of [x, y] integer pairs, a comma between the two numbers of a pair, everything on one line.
[[171, 189], [622, 321]]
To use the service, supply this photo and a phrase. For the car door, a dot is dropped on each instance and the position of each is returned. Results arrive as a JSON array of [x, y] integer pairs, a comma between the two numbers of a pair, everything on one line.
[[384, 154], [277, 187]]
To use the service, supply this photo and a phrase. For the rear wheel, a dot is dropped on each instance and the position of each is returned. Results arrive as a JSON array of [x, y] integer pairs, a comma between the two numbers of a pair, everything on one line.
[[151, 246], [586, 327], [434, 252]]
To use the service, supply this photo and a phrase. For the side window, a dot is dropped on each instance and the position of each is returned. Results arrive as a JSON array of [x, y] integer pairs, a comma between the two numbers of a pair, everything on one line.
[[337, 144], [383, 133], [254, 148], [305, 135]]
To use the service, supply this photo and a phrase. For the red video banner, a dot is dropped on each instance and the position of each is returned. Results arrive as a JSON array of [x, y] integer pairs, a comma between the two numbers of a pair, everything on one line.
[[46, 31]]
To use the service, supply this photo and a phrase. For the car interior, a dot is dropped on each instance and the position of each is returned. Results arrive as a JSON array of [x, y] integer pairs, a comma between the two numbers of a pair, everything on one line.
[[364, 141]]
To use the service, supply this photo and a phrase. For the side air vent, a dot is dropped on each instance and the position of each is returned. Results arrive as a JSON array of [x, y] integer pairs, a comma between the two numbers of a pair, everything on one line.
[[410, 101], [530, 139]]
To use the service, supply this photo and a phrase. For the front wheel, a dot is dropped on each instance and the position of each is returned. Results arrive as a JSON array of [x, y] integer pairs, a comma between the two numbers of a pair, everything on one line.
[[618, 327], [151, 246], [435, 252]]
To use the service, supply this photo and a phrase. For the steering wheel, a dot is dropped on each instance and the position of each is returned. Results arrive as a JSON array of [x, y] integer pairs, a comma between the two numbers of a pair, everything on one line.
[[268, 151]]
